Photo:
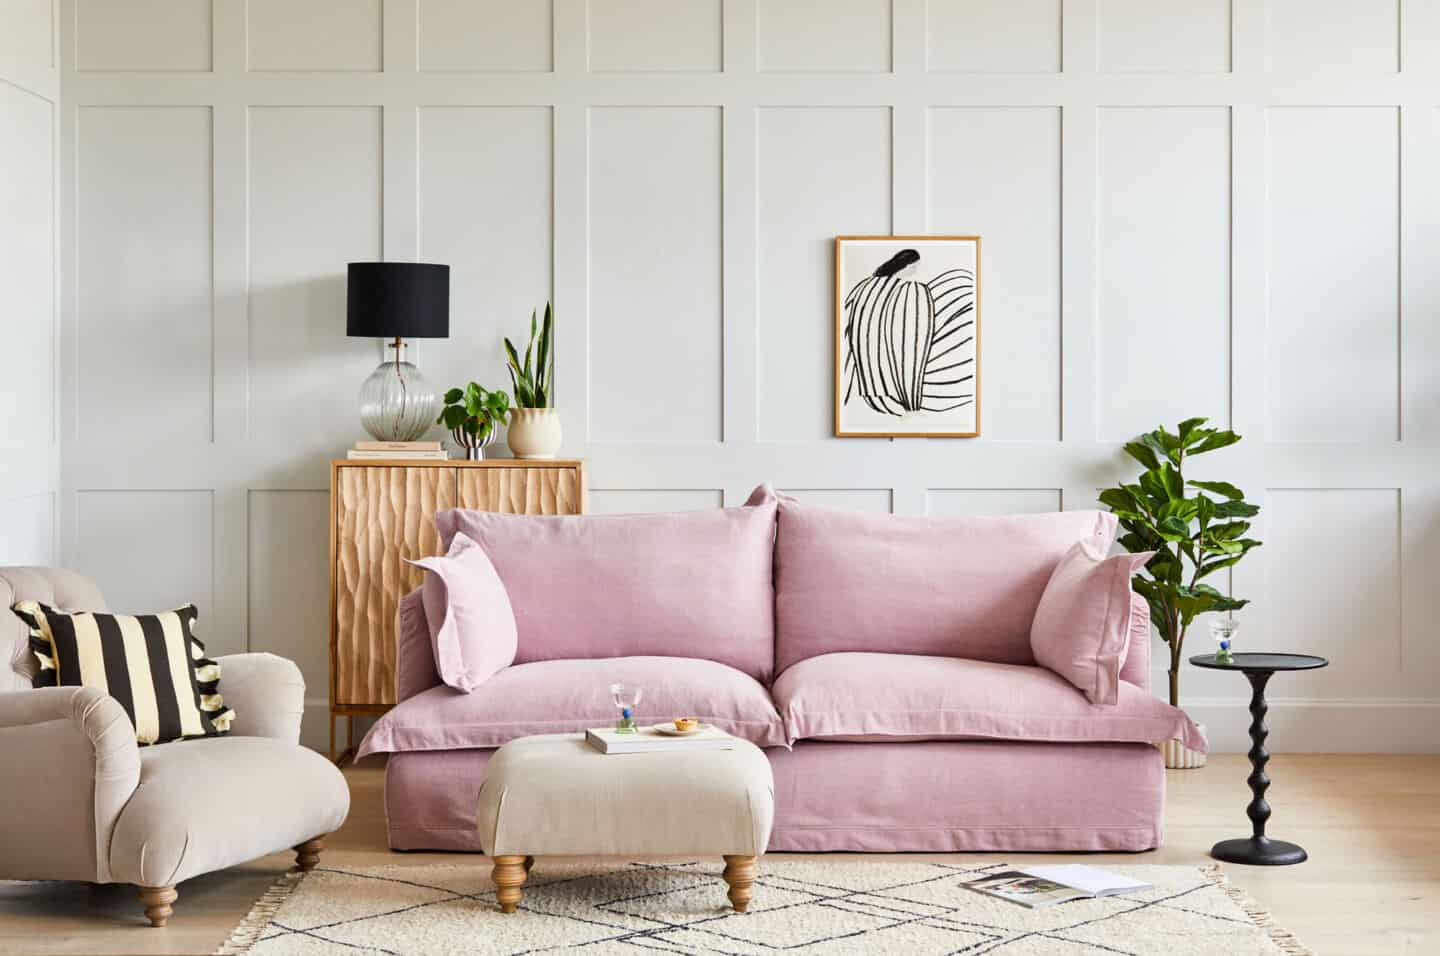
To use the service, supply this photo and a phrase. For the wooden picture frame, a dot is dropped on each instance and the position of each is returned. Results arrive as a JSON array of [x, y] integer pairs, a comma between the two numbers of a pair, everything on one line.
[[907, 337]]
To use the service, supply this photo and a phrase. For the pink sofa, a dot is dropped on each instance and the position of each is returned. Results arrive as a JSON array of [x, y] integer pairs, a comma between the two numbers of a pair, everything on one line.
[[884, 662]]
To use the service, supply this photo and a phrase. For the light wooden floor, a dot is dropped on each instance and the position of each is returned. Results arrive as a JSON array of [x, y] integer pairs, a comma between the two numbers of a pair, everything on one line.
[[1372, 885]]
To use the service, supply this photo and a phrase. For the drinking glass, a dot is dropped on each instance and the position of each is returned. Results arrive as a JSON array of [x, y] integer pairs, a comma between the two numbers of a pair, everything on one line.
[[1223, 629], [626, 700]]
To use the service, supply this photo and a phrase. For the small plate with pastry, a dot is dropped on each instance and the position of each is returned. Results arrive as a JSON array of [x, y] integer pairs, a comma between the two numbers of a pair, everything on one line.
[[680, 727]]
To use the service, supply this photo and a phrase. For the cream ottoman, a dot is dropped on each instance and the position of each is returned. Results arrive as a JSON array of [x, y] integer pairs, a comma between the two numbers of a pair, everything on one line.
[[553, 794]]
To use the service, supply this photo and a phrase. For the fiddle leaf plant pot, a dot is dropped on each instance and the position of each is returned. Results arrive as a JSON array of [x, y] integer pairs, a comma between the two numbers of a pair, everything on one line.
[[534, 432], [1180, 757], [534, 424], [1193, 536]]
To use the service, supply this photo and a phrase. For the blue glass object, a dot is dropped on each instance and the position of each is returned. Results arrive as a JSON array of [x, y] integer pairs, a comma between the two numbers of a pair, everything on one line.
[[1223, 630], [626, 699]]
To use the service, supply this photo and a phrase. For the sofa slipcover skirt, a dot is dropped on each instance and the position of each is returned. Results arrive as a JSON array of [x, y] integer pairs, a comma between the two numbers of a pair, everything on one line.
[[920, 796]]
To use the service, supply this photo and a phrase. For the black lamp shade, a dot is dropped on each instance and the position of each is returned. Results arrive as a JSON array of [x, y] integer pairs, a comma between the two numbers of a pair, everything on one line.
[[408, 300]]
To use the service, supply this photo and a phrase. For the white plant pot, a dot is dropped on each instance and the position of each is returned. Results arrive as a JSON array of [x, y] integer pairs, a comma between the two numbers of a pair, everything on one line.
[[534, 432], [1180, 757]]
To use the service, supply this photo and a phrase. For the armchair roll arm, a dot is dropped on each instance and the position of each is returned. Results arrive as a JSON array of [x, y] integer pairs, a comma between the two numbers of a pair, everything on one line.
[[70, 765], [267, 693]]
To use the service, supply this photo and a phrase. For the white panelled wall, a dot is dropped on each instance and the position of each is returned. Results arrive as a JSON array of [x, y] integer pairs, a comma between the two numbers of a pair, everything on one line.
[[29, 276], [1220, 207]]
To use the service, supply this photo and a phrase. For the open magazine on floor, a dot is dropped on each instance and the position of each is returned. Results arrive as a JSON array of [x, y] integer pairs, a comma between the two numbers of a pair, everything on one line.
[[1041, 886]]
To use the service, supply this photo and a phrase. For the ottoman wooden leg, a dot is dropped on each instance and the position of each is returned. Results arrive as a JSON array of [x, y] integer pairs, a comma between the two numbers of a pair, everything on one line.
[[740, 873], [157, 900], [508, 876], [529, 862], [307, 854]]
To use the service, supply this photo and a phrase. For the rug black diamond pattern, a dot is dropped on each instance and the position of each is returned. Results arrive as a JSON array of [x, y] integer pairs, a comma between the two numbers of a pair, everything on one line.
[[800, 907]]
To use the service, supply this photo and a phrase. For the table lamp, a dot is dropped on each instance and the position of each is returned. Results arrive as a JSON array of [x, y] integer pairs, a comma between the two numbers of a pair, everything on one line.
[[399, 300]]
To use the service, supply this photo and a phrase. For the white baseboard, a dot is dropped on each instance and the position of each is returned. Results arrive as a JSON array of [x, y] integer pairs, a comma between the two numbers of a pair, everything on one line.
[[1297, 725], [1324, 725]]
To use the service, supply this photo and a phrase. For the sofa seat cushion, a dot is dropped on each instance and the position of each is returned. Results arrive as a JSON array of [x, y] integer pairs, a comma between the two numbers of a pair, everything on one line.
[[887, 696], [203, 805], [552, 697]]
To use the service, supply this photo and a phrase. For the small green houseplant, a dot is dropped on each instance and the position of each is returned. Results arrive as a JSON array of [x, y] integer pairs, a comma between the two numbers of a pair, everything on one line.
[[534, 423], [1193, 536], [534, 382], [471, 414]]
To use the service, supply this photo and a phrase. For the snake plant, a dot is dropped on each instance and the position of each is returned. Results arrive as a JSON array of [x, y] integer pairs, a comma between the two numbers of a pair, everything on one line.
[[534, 384]]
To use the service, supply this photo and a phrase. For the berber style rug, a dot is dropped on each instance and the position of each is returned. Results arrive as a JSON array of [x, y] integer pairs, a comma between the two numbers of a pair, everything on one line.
[[800, 907]]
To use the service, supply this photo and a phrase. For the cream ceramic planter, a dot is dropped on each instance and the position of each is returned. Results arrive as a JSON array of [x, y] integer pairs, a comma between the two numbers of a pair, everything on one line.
[[1180, 757], [534, 432]]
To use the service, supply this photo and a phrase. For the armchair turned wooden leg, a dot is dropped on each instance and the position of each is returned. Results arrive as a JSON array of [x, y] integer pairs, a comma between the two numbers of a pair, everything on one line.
[[307, 854], [157, 900], [740, 873], [508, 876]]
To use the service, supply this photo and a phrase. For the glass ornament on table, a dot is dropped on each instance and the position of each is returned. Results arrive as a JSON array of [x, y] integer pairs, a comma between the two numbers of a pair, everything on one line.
[[1223, 629], [626, 699]]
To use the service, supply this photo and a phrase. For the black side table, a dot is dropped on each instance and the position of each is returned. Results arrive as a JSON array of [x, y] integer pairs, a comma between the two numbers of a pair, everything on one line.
[[1259, 849]]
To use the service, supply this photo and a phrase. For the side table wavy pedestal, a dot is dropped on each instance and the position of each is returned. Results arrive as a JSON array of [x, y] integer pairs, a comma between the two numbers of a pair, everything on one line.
[[1258, 849]]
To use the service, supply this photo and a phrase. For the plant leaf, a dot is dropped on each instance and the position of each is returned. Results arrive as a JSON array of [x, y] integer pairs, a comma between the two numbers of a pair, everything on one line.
[[1222, 488], [1236, 509], [1217, 440], [1142, 453], [1186, 429]]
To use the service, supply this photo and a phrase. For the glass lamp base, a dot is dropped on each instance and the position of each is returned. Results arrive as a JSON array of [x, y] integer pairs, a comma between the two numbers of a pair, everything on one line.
[[397, 403]]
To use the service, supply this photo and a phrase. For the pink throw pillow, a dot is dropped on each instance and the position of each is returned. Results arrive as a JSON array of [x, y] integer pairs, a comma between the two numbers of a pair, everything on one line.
[[1087, 618], [472, 626]]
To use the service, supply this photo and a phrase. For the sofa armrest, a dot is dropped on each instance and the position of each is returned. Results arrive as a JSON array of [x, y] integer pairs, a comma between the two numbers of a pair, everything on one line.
[[414, 656], [1136, 669], [70, 765], [267, 693]]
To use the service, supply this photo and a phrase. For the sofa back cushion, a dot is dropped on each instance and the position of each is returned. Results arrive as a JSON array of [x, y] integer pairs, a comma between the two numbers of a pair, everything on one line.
[[696, 584], [950, 587]]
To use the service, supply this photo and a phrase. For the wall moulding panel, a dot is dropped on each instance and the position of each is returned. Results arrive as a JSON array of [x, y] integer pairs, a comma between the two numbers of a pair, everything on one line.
[[1217, 207], [30, 191]]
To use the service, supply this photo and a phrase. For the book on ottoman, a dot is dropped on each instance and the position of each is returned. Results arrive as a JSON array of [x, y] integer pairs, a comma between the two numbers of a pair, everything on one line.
[[607, 740]]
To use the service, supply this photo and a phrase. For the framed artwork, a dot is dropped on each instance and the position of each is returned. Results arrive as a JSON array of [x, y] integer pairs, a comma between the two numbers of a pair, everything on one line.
[[907, 336]]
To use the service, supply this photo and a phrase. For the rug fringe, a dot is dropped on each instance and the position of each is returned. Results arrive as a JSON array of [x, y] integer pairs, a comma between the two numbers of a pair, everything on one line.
[[1257, 913], [247, 934]]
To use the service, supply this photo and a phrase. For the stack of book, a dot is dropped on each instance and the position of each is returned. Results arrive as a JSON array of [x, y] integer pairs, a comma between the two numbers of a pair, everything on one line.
[[648, 740], [389, 450]]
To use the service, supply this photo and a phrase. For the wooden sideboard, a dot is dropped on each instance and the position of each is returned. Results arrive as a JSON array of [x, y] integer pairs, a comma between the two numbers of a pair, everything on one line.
[[382, 512]]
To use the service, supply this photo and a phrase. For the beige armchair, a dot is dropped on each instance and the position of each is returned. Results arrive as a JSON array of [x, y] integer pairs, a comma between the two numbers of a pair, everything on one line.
[[83, 801]]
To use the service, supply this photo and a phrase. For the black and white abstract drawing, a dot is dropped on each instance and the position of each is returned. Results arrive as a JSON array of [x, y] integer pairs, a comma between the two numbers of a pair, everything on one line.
[[907, 328]]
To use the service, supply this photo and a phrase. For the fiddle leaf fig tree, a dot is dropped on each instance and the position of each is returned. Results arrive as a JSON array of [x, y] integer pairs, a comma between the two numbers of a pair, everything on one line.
[[1195, 528]]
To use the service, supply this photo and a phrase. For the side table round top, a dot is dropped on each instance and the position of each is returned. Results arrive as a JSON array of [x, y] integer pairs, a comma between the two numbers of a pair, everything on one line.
[[1261, 662]]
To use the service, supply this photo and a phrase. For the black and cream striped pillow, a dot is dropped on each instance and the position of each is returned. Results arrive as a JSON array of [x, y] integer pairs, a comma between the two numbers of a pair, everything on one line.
[[151, 663]]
